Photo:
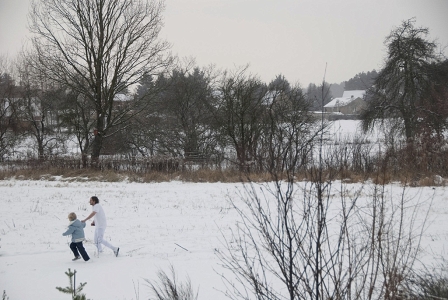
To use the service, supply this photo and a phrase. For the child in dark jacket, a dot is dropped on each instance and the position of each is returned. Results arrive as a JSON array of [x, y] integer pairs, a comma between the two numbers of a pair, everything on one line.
[[76, 230]]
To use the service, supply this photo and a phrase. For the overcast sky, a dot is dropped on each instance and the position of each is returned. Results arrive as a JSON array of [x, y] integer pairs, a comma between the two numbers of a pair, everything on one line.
[[296, 38]]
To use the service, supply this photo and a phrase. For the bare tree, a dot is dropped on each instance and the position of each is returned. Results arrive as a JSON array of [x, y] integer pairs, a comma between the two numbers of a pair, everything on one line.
[[296, 241], [315, 96], [77, 115], [9, 125], [240, 113], [36, 107], [388, 241], [289, 129], [99, 48]]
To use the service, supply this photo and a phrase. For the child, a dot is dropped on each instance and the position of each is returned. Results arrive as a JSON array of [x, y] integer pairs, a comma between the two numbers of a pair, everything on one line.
[[75, 229]]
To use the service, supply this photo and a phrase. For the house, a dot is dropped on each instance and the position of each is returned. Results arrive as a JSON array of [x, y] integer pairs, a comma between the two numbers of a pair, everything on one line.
[[28, 108], [122, 98], [121, 101], [351, 103]]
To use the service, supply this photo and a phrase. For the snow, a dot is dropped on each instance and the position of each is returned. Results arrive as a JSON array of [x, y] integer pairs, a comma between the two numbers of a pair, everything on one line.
[[154, 224], [151, 223], [122, 97], [346, 98]]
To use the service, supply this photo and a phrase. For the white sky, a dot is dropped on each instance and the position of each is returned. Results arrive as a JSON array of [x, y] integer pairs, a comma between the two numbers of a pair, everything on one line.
[[296, 38]]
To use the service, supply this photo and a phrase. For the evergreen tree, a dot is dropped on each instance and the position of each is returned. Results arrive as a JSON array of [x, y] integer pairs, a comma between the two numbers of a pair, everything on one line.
[[337, 90], [5, 297], [400, 89], [318, 96], [72, 289], [361, 81]]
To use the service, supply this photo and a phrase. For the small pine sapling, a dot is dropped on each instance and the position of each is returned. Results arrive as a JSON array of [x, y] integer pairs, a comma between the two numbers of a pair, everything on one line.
[[72, 289], [5, 297]]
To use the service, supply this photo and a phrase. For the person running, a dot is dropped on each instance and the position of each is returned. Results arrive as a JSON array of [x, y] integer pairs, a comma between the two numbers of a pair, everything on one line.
[[100, 224], [76, 230]]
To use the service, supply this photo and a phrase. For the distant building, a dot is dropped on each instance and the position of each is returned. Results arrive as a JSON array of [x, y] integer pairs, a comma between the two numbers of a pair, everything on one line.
[[351, 103], [122, 98], [121, 101]]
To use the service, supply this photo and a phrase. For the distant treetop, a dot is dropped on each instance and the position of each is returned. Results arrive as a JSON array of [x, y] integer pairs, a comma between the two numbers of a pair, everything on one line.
[[361, 81]]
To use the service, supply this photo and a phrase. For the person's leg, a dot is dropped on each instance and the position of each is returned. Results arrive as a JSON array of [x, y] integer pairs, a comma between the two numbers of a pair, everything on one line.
[[109, 245], [98, 238], [101, 240], [74, 249], [82, 251]]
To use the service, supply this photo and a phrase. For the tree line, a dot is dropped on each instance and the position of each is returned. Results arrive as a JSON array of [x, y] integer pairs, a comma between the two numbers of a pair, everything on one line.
[[189, 112], [99, 73]]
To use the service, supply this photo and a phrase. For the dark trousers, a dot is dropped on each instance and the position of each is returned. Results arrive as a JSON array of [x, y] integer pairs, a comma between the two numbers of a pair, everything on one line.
[[79, 247]]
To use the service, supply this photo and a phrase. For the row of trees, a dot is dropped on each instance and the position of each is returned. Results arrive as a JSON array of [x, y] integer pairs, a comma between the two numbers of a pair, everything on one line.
[[86, 54], [361, 81], [188, 112]]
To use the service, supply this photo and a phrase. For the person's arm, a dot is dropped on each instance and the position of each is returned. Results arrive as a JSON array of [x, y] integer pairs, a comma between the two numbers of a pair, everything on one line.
[[69, 231], [90, 216]]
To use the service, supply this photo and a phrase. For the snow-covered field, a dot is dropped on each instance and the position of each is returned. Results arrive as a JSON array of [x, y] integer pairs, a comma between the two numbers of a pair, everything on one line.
[[154, 224]]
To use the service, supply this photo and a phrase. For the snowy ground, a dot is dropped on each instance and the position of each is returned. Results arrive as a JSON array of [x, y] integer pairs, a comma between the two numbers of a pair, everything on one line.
[[154, 225], [151, 223]]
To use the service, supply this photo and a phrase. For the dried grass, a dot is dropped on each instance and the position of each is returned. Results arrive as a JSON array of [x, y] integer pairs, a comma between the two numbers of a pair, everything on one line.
[[413, 167]]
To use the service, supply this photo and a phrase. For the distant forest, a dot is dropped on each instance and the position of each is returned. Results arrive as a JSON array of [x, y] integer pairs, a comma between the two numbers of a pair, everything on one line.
[[361, 81]]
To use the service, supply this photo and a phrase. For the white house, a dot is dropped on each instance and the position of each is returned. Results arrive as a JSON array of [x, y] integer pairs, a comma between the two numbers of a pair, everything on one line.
[[351, 103], [122, 98]]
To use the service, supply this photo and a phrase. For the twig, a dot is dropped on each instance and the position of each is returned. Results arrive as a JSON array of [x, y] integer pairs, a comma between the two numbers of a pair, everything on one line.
[[435, 297], [182, 247], [136, 290]]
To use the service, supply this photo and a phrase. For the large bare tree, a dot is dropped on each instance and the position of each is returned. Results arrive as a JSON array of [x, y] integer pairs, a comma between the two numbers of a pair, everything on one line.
[[98, 49]]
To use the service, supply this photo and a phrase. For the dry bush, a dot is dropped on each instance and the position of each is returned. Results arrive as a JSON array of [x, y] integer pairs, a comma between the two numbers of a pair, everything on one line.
[[109, 177], [435, 180], [168, 287], [68, 174], [382, 179], [428, 283], [350, 161], [154, 177], [415, 161], [26, 174], [203, 175], [354, 177]]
